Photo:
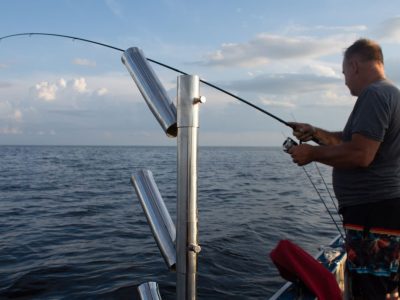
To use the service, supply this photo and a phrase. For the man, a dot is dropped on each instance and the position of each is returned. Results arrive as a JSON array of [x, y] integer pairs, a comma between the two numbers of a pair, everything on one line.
[[365, 157]]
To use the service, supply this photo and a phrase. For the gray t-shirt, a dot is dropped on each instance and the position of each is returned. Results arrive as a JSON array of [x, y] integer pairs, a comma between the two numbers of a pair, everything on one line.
[[376, 115]]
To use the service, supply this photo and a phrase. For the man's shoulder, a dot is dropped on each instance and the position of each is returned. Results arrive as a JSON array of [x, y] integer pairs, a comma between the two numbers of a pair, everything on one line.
[[382, 91], [383, 86]]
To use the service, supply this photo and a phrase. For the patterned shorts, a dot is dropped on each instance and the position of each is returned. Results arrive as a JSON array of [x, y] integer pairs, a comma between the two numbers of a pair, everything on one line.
[[373, 247], [375, 252]]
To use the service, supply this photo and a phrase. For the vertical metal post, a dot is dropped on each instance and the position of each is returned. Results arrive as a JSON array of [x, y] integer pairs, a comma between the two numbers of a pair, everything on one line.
[[187, 246]]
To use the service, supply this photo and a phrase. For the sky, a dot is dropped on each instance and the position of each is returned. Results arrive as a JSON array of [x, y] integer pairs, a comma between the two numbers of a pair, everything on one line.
[[284, 56]]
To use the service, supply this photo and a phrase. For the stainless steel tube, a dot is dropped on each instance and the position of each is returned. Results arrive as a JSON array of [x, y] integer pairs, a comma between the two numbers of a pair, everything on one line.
[[151, 89], [157, 214], [187, 247], [149, 291]]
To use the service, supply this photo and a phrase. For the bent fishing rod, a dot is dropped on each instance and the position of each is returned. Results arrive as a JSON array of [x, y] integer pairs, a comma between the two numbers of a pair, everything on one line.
[[178, 71], [155, 62]]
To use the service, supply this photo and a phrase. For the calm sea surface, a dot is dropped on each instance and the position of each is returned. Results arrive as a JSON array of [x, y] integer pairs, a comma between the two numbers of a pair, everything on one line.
[[71, 226]]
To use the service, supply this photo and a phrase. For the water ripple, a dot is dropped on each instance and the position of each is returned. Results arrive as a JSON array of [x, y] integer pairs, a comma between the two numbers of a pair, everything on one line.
[[72, 227]]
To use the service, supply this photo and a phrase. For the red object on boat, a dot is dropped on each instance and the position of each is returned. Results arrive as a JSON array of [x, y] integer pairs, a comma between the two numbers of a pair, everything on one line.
[[294, 263]]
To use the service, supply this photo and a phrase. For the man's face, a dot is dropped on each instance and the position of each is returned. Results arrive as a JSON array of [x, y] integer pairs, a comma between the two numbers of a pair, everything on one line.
[[349, 71]]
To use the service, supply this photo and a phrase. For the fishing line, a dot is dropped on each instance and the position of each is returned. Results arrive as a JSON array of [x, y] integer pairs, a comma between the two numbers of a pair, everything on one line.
[[158, 63], [322, 200], [286, 147], [329, 192]]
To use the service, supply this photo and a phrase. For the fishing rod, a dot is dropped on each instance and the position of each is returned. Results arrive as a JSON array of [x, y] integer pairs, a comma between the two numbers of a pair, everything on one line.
[[155, 62], [178, 71]]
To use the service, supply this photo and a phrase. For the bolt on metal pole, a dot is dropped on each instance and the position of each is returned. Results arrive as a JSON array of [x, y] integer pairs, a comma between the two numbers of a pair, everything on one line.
[[187, 247]]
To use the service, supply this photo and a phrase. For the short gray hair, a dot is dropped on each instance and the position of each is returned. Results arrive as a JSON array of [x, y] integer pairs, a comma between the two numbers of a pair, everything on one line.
[[366, 49]]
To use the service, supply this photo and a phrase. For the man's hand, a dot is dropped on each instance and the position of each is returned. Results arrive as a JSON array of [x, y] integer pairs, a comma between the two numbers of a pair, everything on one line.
[[360, 151], [302, 154], [304, 132]]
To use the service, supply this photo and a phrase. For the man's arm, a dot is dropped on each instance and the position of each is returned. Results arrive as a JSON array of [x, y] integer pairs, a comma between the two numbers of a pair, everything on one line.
[[359, 152]]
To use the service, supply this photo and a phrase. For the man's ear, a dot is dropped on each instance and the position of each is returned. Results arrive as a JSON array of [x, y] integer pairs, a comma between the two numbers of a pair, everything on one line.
[[355, 66]]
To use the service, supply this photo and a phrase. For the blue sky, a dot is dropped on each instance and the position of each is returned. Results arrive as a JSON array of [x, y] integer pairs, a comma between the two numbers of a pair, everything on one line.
[[284, 56]]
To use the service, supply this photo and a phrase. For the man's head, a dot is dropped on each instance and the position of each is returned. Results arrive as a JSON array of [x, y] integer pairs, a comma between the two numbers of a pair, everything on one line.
[[362, 65]]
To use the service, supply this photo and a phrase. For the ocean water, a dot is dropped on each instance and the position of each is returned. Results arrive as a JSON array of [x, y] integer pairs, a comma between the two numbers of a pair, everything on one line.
[[71, 226]]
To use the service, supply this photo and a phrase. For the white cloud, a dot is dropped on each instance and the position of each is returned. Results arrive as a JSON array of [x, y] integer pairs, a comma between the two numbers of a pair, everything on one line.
[[17, 115], [333, 98], [286, 83], [266, 47], [4, 84], [68, 91], [9, 117], [10, 130], [80, 85], [119, 85], [115, 7], [6, 109], [254, 138], [46, 132], [216, 99], [389, 30], [84, 62], [2, 66], [322, 69], [102, 91], [62, 89], [46, 91], [274, 103], [62, 83], [296, 28], [392, 69], [353, 28]]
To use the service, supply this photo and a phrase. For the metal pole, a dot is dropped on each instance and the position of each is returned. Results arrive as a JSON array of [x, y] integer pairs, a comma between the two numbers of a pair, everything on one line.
[[187, 247]]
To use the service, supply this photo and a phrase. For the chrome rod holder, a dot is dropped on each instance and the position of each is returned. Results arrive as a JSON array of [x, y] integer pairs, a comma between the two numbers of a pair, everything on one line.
[[181, 121], [151, 89], [149, 291], [157, 215]]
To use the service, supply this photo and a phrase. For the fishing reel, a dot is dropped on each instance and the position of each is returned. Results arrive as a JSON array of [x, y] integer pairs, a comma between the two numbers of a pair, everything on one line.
[[288, 143]]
